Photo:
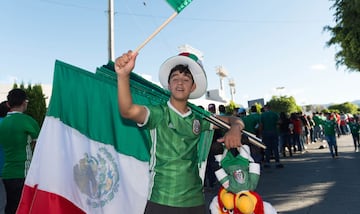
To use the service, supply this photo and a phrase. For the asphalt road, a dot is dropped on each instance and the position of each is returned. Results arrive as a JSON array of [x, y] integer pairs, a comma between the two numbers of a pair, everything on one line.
[[313, 182]]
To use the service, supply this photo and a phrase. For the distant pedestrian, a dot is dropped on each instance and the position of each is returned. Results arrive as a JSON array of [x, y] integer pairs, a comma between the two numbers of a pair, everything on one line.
[[270, 137], [311, 128], [252, 123], [318, 128], [285, 133], [297, 132], [354, 125], [222, 110], [330, 131]]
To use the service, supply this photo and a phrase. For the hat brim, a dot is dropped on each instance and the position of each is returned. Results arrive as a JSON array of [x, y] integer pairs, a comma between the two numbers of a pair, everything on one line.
[[196, 70]]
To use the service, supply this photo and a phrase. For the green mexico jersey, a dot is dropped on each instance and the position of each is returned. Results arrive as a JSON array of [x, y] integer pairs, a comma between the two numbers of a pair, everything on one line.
[[329, 127], [269, 120], [251, 122], [16, 131], [174, 172], [354, 127]]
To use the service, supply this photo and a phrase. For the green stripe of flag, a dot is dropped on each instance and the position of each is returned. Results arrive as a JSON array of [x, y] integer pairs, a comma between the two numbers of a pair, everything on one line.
[[178, 5], [88, 102]]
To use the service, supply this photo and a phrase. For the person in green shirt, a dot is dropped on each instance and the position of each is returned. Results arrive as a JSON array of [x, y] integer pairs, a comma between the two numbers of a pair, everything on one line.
[[269, 122], [175, 184], [18, 132], [252, 125], [354, 125], [330, 132]]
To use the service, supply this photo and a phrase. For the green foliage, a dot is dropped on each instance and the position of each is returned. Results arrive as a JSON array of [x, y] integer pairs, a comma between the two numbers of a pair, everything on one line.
[[230, 108], [284, 104], [345, 108], [37, 105], [324, 111], [346, 33], [258, 107]]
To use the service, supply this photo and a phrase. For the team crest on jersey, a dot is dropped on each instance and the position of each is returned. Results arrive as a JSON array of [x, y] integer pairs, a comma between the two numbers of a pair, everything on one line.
[[196, 127], [97, 177], [239, 176]]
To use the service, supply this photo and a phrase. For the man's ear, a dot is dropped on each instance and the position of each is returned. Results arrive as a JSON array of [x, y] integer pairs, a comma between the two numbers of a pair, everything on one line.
[[193, 87]]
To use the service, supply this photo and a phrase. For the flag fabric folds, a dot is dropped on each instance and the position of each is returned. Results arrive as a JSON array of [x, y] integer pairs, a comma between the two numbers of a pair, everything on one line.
[[178, 5], [88, 159]]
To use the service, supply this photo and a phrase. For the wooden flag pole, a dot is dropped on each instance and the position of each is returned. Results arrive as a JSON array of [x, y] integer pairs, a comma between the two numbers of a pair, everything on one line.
[[156, 31]]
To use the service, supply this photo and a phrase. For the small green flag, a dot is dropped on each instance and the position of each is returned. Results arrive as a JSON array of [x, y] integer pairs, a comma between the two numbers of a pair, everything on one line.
[[179, 5]]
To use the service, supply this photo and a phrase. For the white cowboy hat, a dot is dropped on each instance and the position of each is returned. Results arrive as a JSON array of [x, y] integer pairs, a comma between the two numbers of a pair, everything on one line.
[[195, 67]]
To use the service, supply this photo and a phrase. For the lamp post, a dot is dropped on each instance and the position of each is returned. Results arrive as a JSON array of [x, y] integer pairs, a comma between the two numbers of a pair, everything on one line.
[[222, 73], [232, 88]]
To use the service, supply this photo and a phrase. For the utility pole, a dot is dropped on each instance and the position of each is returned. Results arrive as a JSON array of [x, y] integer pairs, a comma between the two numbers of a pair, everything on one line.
[[232, 88], [111, 31]]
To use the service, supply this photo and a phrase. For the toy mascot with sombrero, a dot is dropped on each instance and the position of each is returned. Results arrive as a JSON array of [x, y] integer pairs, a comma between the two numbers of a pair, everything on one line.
[[239, 177]]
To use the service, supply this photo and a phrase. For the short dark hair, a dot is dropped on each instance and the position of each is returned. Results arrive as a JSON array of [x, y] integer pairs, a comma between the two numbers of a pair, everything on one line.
[[253, 108], [4, 108], [16, 97], [211, 105], [222, 108], [182, 69]]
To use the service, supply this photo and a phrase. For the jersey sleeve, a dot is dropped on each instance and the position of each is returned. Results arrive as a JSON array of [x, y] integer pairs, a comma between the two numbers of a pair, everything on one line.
[[33, 128], [155, 115]]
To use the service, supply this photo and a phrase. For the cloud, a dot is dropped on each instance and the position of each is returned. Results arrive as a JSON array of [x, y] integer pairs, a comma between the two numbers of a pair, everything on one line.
[[318, 67]]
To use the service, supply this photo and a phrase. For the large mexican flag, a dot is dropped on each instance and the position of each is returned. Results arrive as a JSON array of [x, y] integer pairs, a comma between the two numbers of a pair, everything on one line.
[[88, 159]]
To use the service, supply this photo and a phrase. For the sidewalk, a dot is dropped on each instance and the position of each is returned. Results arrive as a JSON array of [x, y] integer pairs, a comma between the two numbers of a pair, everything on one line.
[[314, 182]]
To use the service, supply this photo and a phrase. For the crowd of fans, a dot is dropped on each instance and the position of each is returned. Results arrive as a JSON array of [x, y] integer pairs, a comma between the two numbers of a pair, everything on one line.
[[286, 134]]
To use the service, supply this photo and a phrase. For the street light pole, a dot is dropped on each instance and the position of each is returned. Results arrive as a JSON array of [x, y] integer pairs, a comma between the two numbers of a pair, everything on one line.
[[232, 88], [222, 73]]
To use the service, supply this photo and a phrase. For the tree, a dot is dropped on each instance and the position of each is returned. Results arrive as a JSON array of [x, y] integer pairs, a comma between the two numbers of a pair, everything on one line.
[[37, 105], [346, 33], [258, 107], [231, 107], [345, 108], [284, 104]]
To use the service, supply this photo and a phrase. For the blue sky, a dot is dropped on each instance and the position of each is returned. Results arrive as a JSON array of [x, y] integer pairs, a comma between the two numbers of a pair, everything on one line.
[[263, 45]]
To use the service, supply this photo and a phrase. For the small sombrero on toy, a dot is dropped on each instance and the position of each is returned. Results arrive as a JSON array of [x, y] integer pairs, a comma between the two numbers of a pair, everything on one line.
[[195, 67]]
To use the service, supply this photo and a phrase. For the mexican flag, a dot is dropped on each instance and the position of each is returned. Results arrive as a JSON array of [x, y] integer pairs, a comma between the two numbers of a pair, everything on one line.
[[88, 159], [178, 5]]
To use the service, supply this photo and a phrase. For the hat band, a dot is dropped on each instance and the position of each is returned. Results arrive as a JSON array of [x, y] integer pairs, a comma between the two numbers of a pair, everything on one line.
[[191, 56]]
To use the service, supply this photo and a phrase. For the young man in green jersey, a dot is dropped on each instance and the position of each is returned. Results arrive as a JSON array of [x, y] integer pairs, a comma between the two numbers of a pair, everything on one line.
[[175, 184], [18, 132], [330, 125]]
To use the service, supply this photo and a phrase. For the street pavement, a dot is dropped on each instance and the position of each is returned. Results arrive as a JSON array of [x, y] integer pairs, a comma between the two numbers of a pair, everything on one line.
[[313, 182]]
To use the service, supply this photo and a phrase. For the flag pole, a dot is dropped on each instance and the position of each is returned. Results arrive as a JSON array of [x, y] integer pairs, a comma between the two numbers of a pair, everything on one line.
[[156, 31], [222, 124]]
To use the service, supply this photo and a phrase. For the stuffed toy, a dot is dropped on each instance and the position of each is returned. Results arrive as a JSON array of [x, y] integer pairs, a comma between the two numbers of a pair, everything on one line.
[[238, 172], [239, 176]]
